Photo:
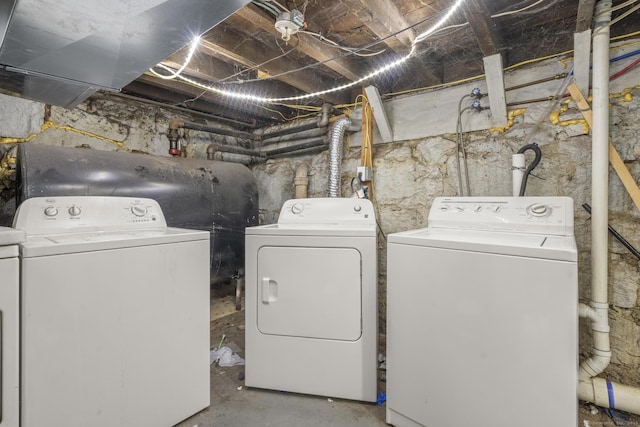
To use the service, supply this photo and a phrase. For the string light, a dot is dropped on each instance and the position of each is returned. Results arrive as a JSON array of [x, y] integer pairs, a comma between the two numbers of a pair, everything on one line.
[[260, 99], [194, 46]]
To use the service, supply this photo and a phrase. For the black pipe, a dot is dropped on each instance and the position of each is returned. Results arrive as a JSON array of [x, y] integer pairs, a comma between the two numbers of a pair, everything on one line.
[[234, 150], [294, 136], [310, 143], [617, 235], [219, 131], [532, 166], [285, 131], [322, 122]]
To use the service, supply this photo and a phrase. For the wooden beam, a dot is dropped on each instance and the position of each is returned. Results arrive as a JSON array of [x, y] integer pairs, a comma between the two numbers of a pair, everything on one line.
[[483, 27], [585, 15], [582, 59], [495, 88], [383, 18], [306, 43], [191, 92], [614, 158], [379, 113], [223, 40], [178, 93]]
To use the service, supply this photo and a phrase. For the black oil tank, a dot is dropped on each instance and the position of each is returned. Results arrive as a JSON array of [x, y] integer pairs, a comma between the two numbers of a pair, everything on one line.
[[219, 197]]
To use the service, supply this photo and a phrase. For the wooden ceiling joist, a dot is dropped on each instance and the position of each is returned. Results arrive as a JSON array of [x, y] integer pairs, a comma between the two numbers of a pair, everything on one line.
[[483, 27]]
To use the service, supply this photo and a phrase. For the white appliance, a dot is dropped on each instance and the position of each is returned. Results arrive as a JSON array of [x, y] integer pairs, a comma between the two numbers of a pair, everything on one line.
[[482, 315], [311, 300], [9, 330], [114, 314]]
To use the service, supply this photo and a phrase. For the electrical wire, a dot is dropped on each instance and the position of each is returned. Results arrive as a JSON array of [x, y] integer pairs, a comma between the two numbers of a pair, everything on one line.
[[329, 42], [513, 12], [255, 67], [345, 54], [421, 37], [624, 15], [461, 150], [275, 12], [284, 8], [622, 5]]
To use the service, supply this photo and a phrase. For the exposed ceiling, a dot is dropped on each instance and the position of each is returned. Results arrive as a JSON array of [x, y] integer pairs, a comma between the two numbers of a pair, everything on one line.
[[246, 53]]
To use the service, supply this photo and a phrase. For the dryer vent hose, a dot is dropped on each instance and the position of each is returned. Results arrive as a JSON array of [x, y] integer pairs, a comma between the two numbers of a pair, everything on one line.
[[335, 154], [531, 167]]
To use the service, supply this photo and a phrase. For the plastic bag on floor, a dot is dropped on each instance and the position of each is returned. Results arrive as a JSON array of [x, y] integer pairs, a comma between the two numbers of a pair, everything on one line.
[[225, 357]]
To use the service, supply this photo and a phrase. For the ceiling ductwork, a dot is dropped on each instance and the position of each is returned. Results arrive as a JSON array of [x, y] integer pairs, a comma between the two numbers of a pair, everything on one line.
[[62, 51]]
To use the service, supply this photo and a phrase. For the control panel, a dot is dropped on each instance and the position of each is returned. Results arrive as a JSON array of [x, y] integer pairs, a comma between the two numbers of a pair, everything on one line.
[[543, 215], [50, 215], [327, 210]]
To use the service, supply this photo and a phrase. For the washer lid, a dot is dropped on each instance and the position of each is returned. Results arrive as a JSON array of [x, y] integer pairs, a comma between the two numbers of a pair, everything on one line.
[[11, 236], [561, 248], [68, 243]]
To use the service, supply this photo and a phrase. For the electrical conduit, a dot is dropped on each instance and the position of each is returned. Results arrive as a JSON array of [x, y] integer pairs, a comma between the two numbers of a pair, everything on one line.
[[597, 390], [335, 154]]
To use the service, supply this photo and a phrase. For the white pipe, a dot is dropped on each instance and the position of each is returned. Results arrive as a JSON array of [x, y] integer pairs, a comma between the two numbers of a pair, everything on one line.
[[517, 168], [301, 181], [600, 196], [598, 390], [609, 394]]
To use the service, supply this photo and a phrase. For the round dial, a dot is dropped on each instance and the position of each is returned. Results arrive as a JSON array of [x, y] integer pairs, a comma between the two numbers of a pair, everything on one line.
[[74, 210], [357, 208], [297, 208], [477, 208], [138, 210], [51, 211], [539, 209]]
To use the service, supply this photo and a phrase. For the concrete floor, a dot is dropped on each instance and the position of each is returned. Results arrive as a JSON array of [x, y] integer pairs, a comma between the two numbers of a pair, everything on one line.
[[234, 405]]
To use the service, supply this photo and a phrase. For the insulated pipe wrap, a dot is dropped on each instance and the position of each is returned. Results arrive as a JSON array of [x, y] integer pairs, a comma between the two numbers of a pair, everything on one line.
[[335, 154]]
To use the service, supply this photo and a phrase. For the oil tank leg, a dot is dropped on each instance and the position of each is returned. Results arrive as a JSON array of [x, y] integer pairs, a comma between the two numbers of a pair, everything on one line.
[[239, 288]]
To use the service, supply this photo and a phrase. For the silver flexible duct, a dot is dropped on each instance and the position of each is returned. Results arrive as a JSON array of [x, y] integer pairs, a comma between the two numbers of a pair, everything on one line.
[[335, 154]]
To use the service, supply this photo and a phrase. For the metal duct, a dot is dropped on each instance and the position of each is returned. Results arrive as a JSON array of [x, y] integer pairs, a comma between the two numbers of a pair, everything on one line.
[[61, 51], [335, 154], [221, 198]]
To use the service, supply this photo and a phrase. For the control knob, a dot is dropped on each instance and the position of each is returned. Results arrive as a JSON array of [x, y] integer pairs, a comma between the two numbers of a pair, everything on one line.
[[74, 210], [297, 208], [138, 210], [51, 211], [539, 209]]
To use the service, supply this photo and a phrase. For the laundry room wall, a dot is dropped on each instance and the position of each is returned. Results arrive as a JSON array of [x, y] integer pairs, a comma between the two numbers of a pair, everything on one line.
[[408, 173], [104, 122]]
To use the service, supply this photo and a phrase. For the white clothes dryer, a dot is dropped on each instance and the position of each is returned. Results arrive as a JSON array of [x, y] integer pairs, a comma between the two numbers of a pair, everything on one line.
[[311, 300], [114, 314], [482, 317], [9, 326]]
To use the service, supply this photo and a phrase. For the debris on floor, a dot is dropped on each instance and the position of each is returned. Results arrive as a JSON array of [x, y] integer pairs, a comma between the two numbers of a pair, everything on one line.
[[225, 357]]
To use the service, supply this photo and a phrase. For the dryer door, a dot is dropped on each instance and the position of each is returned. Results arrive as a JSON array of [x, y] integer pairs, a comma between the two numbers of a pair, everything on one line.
[[310, 292]]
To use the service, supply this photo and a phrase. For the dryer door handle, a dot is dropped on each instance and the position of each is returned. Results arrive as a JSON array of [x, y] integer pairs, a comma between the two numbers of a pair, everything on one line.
[[269, 290]]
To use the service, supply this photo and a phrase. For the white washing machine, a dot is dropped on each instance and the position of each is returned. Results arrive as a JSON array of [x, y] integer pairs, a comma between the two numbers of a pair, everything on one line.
[[482, 315], [311, 300], [114, 312], [9, 329]]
